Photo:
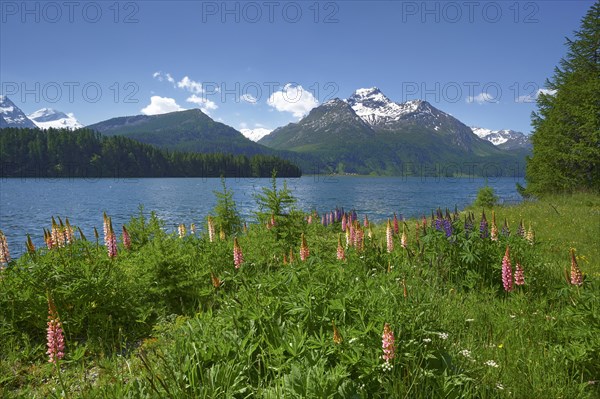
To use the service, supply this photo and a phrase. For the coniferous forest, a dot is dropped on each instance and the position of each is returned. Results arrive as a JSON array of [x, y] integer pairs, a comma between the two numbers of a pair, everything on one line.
[[86, 153]]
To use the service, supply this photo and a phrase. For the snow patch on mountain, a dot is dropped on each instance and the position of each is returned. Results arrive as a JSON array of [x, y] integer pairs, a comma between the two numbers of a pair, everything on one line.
[[255, 134], [501, 137], [12, 116], [375, 108], [47, 118]]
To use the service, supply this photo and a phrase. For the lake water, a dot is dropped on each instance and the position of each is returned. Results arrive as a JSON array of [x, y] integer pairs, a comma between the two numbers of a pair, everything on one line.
[[26, 205]]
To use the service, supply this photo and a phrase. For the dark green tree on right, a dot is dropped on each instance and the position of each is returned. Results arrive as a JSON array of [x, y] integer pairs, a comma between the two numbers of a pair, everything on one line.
[[566, 134]]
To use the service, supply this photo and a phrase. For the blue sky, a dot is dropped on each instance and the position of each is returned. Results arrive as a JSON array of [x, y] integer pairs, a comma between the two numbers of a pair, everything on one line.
[[266, 63]]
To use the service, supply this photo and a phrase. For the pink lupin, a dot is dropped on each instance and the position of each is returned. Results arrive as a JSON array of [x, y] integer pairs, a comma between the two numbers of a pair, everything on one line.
[[389, 237], [55, 339], [519, 275], [396, 227], [404, 238], [576, 275], [238, 256], [388, 344], [340, 250], [111, 241], [507, 277], [126, 239], [304, 251]]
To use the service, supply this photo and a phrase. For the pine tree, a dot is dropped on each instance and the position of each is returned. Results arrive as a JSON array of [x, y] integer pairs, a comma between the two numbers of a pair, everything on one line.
[[566, 136]]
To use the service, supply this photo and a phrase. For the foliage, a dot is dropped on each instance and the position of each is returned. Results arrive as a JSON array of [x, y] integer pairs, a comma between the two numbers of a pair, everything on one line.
[[85, 153], [226, 215], [566, 154], [486, 198], [172, 317]]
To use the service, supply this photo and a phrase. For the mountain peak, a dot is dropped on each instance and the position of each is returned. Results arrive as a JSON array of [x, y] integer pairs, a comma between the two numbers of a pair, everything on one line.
[[12, 116], [47, 118], [505, 138]]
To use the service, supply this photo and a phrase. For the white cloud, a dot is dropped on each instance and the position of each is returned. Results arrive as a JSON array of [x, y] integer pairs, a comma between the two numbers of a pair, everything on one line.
[[249, 98], [293, 99], [205, 104], [190, 85], [532, 98], [243, 125], [163, 76], [482, 98], [161, 105]]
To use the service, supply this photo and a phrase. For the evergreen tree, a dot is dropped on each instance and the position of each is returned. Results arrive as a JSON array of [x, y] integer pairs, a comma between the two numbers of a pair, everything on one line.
[[566, 137]]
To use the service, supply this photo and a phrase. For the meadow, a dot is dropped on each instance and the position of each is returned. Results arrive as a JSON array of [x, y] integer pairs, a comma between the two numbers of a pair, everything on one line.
[[497, 302]]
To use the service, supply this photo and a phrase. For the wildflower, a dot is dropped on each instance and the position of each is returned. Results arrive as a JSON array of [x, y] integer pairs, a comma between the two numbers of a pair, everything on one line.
[[126, 239], [337, 337], [105, 227], [505, 229], [48, 239], [359, 237], [387, 343], [221, 233], [576, 276], [468, 224], [427, 340], [370, 232], [530, 235], [344, 222], [519, 276], [491, 363], [389, 237], [60, 233], [192, 228], [483, 226], [340, 250], [4, 253], [181, 230], [366, 221], [56, 235], [494, 232], [291, 257], [29, 245], [403, 239], [352, 234], [466, 353], [216, 282], [55, 336], [68, 232], [111, 241], [304, 252], [521, 229], [447, 226], [443, 336], [507, 281], [396, 227], [324, 221], [211, 229], [238, 256]]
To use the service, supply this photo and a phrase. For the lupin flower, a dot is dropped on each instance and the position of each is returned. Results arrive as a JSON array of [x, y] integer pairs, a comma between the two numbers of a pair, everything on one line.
[[483, 226], [4, 253], [57, 237], [181, 230], [404, 238], [340, 250], [304, 251], [309, 219], [126, 239], [370, 232], [211, 229], [221, 234], [396, 226], [55, 336], [389, 237], [111, 245], [494, 230], [344, 223], [48, 239], [507, 281], [216, 282], [105, 227], [505, 229], [337, 337], [68, 232], [62, 238], [352, 231], [359, 238], [348, 242], [366, 222], [530, 235], [388, 344], [519, 275], [521, 229], [238, 256], [291, 257], [447, 225], [29, 245], [324, 220], [192, 228], [576, 275]]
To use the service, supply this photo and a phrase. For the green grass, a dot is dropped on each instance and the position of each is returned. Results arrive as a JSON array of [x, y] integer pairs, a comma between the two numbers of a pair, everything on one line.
[[150, 323]]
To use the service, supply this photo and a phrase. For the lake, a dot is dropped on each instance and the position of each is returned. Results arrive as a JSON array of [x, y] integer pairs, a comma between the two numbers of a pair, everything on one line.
[[26, 205]]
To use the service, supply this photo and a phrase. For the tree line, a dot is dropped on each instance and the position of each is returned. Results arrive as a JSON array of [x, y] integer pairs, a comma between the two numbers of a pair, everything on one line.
[[87, 153]]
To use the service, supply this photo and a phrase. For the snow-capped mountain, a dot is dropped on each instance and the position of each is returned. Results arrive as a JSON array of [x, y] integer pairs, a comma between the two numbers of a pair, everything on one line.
[[507, 139], [255, 134], [46, 118], [12, 116], [381, 113]]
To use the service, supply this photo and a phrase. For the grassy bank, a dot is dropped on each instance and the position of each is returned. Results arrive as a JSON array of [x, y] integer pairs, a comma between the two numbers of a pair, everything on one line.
[[173, 317]]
